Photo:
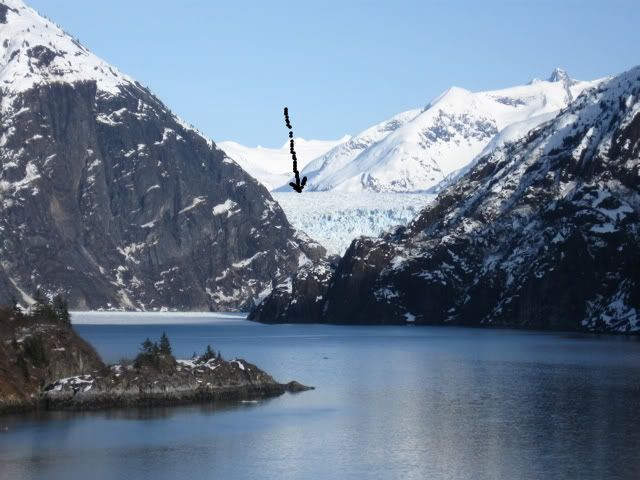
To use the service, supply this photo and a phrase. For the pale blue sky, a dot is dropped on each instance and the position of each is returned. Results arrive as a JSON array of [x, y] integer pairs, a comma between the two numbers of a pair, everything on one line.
[[340, 66]]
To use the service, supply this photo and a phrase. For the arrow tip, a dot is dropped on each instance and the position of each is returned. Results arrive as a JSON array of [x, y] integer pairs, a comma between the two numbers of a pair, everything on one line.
[[296, 187]]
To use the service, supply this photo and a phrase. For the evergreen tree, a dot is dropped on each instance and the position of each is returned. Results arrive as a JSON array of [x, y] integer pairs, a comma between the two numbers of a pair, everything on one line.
[[39, 306], [61, 309], [147, 347], [149, 354], [165, 345], [208, 354]]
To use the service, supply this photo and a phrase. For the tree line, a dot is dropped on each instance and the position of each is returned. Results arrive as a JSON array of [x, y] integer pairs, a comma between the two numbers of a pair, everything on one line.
[[52, 309]]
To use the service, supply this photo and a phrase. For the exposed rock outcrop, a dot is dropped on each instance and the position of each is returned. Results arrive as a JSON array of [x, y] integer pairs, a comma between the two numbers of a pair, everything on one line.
[[188, 381], [299, 298]]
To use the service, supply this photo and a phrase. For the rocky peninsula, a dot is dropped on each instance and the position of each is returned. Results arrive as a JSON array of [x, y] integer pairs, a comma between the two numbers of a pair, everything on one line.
[[45, 364]]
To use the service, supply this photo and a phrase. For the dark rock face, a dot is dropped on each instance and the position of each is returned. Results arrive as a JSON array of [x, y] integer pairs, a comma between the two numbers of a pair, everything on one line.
[[116, 204], [543, 233], [42, 55], [109, 199], [299, 298], [4, 9]]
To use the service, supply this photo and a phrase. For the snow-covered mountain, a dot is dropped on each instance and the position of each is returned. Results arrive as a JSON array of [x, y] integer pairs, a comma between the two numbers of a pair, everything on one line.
[[36, 51], [416, 150], [543, 232], [341, 155], [272, 166], [109, 198]]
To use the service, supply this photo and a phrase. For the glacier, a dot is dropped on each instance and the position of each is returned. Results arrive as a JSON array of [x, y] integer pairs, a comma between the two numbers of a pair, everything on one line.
[[334, 219]]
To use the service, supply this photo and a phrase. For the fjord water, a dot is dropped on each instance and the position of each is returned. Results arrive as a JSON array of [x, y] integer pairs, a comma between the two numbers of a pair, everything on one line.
[[390, 403]]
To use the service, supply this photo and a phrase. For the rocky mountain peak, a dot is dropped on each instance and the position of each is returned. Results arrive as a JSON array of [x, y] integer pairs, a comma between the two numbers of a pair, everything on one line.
[[560, 75]]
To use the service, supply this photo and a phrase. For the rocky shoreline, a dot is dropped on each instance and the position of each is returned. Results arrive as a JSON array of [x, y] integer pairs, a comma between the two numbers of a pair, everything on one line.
[[186, 382]]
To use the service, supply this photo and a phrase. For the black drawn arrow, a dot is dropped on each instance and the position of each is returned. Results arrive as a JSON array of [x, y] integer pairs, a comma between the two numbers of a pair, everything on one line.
[[299, 185]]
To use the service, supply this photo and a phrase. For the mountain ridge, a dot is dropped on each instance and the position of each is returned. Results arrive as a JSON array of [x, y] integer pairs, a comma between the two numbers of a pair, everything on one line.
[[273, 166], [539, 233], [112, 200], [445, 136], [417, 150]]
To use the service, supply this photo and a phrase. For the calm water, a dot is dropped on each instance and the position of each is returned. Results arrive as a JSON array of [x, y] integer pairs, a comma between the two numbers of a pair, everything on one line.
[[391, 403]]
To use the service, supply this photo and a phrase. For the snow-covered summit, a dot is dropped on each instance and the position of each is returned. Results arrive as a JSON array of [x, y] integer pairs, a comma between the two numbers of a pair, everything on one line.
[[560, 75], [35, 51], [418, 149]]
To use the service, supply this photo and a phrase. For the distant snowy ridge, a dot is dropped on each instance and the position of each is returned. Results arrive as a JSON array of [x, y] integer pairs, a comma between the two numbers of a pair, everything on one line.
[[341, 155], [416, 150], [273, 166]]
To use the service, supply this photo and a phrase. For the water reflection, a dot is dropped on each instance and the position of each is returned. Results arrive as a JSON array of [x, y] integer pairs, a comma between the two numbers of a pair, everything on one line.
[[390, 403], [27, 420]]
